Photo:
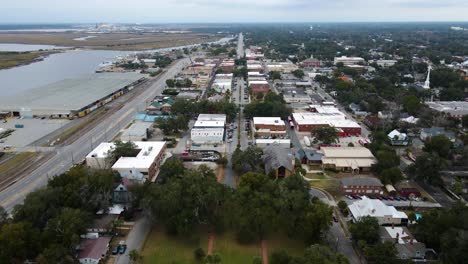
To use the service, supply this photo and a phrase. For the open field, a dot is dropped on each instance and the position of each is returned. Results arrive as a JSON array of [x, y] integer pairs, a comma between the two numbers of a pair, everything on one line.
[[110, 41], [161, 248], [330, 185], [13, 59]]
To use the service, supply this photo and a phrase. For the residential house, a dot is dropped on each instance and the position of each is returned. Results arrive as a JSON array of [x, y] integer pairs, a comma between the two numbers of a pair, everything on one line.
[[408, 248], [309, 156], [385, 215], [435, 131], [93, 250], [398, 139]]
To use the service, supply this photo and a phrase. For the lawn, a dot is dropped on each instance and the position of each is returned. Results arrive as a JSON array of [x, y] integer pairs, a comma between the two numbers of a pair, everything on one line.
[[232, 252], [330, 185], [162, 248], [315, 176]]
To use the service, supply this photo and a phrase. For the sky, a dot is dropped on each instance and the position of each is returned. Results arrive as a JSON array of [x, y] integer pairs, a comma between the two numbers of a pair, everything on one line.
[[222, 11]]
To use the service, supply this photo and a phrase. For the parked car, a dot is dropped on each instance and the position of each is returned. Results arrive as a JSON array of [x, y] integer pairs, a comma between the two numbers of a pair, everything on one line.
[[397, 198], [391, 198], [385, 198], [349, 197], [403, 198], [371, 196], [335, 219], [355, 196], [379, 197], [115, 250], [122, 249]]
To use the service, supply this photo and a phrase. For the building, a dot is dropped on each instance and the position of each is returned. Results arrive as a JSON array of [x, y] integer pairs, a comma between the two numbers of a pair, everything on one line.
[[137, 132], [435, 131], [209, 129], [227, 66], [93, 250], [407, 246], [261, 86], [348, 60], [325, 116], [161, 105], [409, 192], [348, 159], [311, 63], [278, 160], [291, 98], [386, 63], [385, 215], [398, 139], [223, 82], [309, 156], [452, 108], [142, 166], [361, 185], [283, 67], [265, 142], [71, 98], [268, 126]]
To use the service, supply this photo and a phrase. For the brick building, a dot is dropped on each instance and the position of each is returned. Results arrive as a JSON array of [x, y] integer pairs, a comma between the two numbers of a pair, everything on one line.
[[361, 185], [269, 126]]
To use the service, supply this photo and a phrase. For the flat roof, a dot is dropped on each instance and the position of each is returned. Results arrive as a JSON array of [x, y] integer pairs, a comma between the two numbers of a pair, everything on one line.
[[268, 121], [210, 123], [211, 117], [69, 94], [347, 152], [374, 208], [149, 150]]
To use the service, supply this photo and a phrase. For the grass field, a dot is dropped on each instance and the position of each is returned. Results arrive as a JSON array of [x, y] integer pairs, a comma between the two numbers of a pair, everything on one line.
[[330, 185], [315, 176], [13, 59], [161, 248]]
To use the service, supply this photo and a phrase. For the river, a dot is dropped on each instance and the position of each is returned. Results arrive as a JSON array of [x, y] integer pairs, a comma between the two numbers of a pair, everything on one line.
[[59, 66]]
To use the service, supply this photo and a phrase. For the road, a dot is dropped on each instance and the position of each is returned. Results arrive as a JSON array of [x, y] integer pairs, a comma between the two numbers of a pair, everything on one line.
[[336, 236], [77, 151], [240, 46], [135, 239]]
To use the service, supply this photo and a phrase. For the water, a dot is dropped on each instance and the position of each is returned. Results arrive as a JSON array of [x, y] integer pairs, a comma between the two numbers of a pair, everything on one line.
[[26, 47], [59, 66]]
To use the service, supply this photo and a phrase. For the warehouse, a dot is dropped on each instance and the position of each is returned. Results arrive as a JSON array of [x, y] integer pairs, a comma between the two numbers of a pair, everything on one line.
[[269, 126], [71, 98], [306, 121], [208, 129], [348, 159]]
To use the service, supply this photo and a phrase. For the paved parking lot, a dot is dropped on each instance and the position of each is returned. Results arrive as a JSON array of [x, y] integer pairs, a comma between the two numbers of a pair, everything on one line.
[[33, 130]]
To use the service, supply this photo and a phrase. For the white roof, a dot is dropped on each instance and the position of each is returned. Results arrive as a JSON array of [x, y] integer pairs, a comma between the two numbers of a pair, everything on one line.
[[333, 119], [254, 73], [258, 82], [397, 134], [211, 117], [268, 121], [272, 141], [347, 152], [374, 208], [149, 150], [212, 124], [403, 237]]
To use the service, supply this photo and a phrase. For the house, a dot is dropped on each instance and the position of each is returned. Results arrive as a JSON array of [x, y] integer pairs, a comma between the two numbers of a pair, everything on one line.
[[143, 165], [361, 185], [309, 156], [278, 160], [102, 224], [373, 121], [398, 139], [93, 250], [348, 159], [161, 105], [357, 110], [408, 248], [121, 195], [259, 86], [385, 215], [435, 131]]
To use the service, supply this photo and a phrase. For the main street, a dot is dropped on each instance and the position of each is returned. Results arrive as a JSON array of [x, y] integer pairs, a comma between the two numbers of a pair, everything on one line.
[[67, 155]]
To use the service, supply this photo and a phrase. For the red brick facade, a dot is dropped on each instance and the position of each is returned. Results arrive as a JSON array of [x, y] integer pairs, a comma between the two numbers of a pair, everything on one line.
[[361, 189], [260, 88]]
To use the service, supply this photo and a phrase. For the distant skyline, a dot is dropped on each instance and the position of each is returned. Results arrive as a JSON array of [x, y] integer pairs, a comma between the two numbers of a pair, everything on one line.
[[225, 11]]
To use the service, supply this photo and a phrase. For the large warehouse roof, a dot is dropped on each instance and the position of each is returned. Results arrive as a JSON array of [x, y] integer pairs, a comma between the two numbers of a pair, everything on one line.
[[69, 94]]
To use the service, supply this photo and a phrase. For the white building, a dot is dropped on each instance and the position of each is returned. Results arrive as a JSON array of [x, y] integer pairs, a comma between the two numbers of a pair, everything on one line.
[[140, 167], [263, 143], [285, 67], [223, 82], [386, 63], [348, 60], [208, 129], [385, 215]]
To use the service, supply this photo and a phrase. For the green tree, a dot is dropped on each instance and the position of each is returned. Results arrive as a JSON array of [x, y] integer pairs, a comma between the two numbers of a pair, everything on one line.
[[391, 176], [298, 73], [18, 242], [280, 257], [384, 253], [366, 229], [439, 144], [121, 149], [213, 259], [3, 216], [275, 75], [248, 160], [256, 207], [170, 83], [171, 168], [65, 228], [342, 205], [411, 104], [56, 253], [465, 121], [319, 254], [427, 167], [134, 256], [326, 135]]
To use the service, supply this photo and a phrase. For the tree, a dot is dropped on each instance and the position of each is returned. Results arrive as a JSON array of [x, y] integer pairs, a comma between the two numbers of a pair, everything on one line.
[[298, 73], [65, 228], [465, 121], [319, 254], [170, 83], [171, 168], [391, 176], [342, 205], [56, 253], [427, 167], [121, 149], [366, 229], [411, 104], [439, 144], [213, 259], [134, 256], [326, 135], [248, 160], [384, 253], [3, 216], [280, 257], [18, 242], [199, 254], [275, 75], [256, 208]]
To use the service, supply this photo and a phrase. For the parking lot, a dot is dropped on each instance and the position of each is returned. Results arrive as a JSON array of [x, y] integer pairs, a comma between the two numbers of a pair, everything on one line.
[[32, 130]]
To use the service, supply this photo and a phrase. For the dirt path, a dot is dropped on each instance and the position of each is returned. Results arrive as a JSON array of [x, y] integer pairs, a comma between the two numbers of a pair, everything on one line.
[[220, 176], [210, 243], [264, 252]]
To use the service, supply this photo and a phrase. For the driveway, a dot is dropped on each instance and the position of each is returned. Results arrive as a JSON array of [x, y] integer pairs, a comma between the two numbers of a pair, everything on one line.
[[135, 239]]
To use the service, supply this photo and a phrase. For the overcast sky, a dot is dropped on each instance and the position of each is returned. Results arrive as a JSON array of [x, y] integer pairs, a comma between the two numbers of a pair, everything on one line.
[[168, 11]]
